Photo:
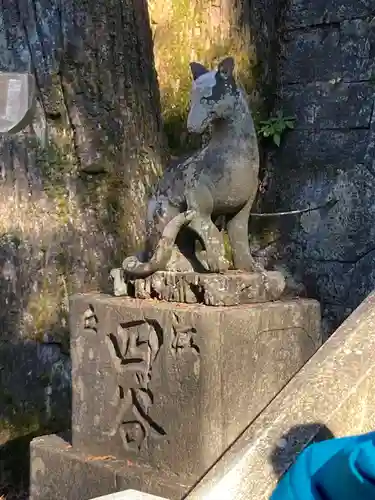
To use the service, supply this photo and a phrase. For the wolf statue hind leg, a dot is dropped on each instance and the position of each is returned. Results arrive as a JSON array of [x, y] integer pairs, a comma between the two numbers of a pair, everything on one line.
[[199, 200], [238, 233]]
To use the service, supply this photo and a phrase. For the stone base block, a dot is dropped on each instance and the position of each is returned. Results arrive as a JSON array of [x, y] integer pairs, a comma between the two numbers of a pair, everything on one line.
[[229, 289], [173, 385], [59, 472], [331, 396]]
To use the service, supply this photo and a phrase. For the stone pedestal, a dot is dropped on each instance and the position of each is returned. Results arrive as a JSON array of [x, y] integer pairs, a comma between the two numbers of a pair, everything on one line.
[[230, 289], [61, 472], [168, 387]]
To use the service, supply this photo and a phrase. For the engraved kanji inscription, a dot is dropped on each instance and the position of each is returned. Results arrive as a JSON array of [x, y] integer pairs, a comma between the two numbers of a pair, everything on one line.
[[90, 320], [134, 349], [183, 337]]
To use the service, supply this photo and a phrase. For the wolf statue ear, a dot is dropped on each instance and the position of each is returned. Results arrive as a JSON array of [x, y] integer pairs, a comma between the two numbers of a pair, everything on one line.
[[226, 67], [197, 70]]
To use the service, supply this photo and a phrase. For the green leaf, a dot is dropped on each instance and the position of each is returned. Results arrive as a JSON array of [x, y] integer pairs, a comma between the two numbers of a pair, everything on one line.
[[279, 127], [289, 124], [276, 139]]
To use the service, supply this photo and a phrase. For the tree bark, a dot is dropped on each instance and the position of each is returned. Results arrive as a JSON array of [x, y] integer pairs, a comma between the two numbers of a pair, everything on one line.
[[74, 185]]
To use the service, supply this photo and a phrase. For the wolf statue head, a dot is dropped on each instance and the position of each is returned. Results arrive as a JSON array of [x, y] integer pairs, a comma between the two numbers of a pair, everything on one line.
[[214, 95]]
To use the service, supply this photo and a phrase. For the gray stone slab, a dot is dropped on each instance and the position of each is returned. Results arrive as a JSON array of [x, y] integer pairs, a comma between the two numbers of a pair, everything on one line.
[[331, 396], [308, 151], [59, 472], [35, 386], [330, 250], [310, 56], [174, 385], [315, 12], [329, 105], [230, 289], [358, 49], [369, 159]]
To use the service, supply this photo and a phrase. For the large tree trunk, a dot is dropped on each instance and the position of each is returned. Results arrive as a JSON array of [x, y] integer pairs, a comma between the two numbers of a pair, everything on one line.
[[72, 186], [71, 207]]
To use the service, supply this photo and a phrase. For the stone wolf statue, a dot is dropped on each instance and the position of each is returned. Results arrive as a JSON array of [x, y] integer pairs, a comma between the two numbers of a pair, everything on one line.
[[220, 180]]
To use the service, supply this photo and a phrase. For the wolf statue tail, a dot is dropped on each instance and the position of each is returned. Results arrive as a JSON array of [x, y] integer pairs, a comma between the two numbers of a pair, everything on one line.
[[134, 268]]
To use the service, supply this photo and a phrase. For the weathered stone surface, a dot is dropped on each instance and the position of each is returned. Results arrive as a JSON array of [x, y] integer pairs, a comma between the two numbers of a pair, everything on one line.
[[35, 397], [330, 251], [175, 384], [315, 12], [330, 104], [325, 150], [358, 49], [35, 389], [327, 73], [310, 56], [369, 159], [331, 396], [59, 472], [229, 289]]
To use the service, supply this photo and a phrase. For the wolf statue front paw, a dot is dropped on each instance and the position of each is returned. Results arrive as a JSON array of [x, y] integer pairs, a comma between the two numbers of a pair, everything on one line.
[[216, 263]]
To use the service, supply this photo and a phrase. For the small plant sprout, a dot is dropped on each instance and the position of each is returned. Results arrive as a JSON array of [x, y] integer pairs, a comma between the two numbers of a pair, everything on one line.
[[275, 127]]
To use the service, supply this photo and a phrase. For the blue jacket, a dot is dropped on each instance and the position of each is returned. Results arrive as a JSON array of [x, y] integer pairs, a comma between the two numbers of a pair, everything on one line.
[[337, 469]]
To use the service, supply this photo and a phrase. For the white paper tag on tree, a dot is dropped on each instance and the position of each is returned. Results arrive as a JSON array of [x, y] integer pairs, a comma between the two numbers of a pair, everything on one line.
[[12, 109], [17, 101]]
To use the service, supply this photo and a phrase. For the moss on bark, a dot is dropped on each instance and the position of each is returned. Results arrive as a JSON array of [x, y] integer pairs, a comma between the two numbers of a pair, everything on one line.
[[206, 32]]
